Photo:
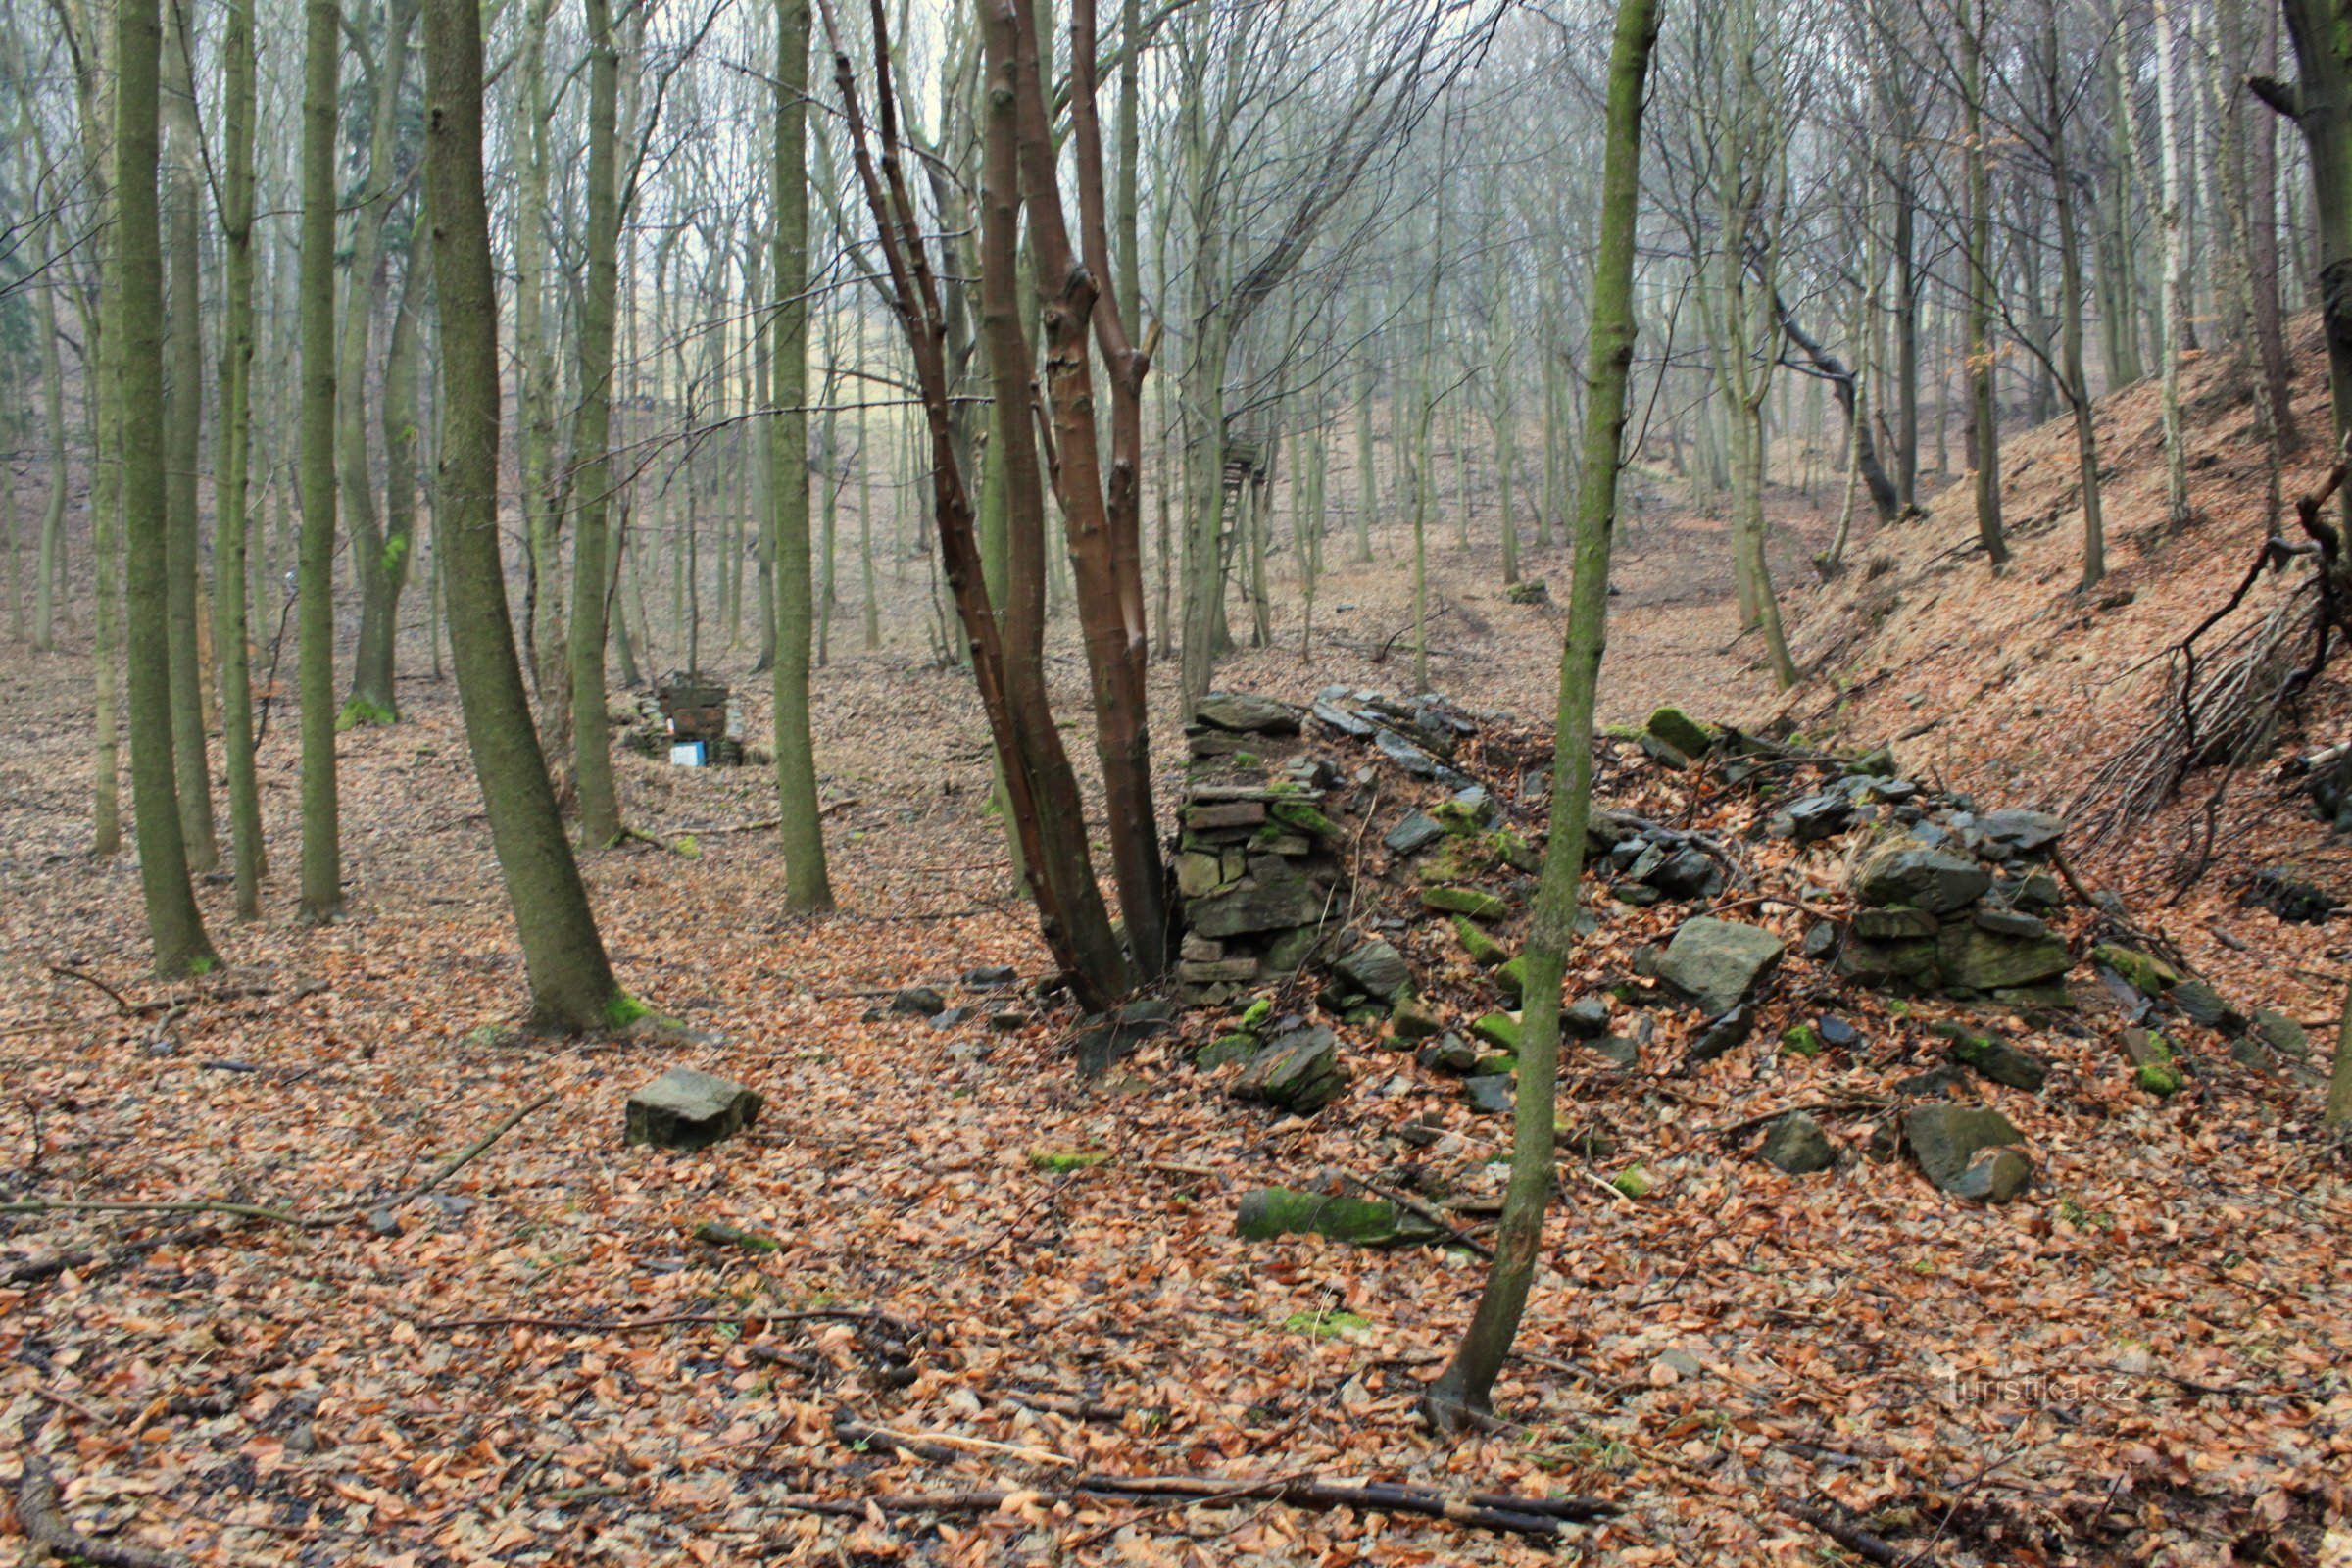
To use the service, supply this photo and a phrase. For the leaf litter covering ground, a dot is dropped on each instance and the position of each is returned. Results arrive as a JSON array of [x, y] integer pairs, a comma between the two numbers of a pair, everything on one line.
[[2142, 1361]]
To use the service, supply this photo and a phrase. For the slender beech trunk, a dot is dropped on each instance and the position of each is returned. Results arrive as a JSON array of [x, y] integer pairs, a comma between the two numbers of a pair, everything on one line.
[[2173, 220], [1980, 282], [2262, 250], [591, 737], [808, 885], [2074, 382], [372, 699], [174, 927], [48, 561], [1462, 1397], [229, 504], [573, 988], [183, 435], [322, 845]]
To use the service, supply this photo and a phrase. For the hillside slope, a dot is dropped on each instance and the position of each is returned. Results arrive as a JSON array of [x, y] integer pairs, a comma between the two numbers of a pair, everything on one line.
[[2021, 685]]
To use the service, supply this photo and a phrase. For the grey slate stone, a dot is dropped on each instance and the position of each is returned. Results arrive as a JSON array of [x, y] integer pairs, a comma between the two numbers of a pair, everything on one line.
[[1415, 833], [1246, 714], [685, 1108], [1944, 1138], [1300, 1071], [1376, 969], [1491, 1095], [1924, 879], [1717, 963], [1994, 1176], [1797, 1145]]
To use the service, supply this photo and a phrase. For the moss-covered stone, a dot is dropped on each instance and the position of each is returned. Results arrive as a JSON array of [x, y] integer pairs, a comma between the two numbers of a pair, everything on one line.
[[1063, 1163], [1484, 949], [1801, 1039], [1499, 1030], [1471, 901], [2150, 975], [1680, 730], [1271, 1212], [1301, 817], [1458, 860], [1411, 1019], [1226, 1048]]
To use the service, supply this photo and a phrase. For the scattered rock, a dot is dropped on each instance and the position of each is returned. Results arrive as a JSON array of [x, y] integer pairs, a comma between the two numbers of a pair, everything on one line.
[[1798, 1145], [1800, 1039], [2018, 834], [1945, 1137], [1531, 592], [922, 1002], [1410, 1020], [1105, 1038], [1586, 1018], [1817, 816], [1450, 1054], [1616, 1049], [2282, 1034], [2151, 976], [990, 977], [2202, 1005], [1300, 1072], [2291, 898], [1717, 963], [1937, 1083], [2155, 1064], [1995, 1058], [1491, 1095], [1374, 967], [1725, 1033], [1484, 949], [950, 1017], [1417, 832], [1993, 1176], [685, 1108], [1499, 1030], [1837, 1032]]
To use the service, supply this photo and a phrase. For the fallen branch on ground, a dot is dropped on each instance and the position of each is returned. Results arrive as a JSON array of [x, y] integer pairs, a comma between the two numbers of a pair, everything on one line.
[[1861, 1542], [1502, 1512]]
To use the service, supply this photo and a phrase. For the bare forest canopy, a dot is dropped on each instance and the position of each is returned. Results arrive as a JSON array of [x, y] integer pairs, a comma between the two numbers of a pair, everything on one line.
[[1176, 781]]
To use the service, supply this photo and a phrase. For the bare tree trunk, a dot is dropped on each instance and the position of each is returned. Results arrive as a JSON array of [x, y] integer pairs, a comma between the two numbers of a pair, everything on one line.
[[1462, 1397], [175, 928], [573, 988]]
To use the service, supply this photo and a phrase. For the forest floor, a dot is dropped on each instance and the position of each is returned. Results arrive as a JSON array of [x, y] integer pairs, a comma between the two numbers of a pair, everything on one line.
[[538, 1361]]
